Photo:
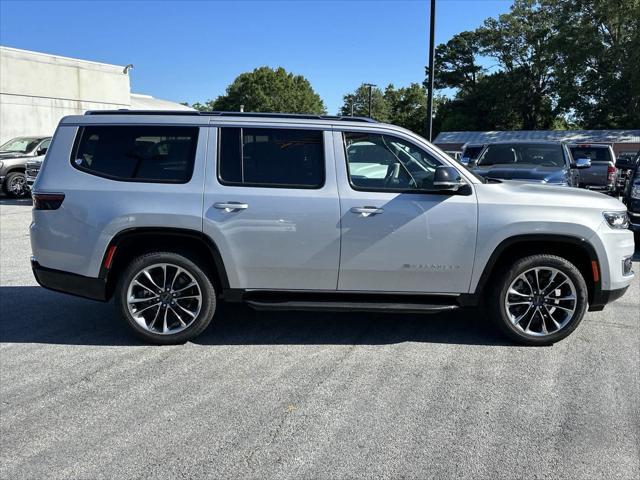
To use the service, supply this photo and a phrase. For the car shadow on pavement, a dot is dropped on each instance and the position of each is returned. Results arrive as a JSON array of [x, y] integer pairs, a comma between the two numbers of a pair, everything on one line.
[[35, 315]]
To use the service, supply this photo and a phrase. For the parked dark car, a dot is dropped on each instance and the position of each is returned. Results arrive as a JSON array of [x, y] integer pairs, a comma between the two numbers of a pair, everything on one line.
[[470, 152], [631, 198], [603, 175], [32, 168], [13, 159], [625, 164], [539, 162]]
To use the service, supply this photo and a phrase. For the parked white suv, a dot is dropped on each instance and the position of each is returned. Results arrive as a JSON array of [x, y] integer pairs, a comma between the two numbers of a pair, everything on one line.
[[172, 212]]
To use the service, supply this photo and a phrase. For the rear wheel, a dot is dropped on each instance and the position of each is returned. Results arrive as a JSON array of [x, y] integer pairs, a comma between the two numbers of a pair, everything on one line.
[[539, 300], [166, 298], [15, 185]]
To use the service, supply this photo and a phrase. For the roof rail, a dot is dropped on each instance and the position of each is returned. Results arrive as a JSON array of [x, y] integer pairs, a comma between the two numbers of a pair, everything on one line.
[[300, 116]]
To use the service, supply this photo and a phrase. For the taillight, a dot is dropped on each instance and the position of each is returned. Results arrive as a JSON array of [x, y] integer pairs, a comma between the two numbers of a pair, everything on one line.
[[611, 173], [47, 201]]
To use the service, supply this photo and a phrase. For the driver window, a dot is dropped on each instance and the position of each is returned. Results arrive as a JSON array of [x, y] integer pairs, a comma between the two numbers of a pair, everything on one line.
[[387, 163]]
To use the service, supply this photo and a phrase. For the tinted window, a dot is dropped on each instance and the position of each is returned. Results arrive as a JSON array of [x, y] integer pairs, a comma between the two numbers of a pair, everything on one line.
[[383, 162], [271, 157], [472, 152], [595, 154], [146, 153], [544, 155]]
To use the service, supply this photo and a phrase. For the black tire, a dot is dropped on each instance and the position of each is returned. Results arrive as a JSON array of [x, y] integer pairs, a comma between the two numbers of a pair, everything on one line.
[[502, 282], [205, 286], [10, 181]]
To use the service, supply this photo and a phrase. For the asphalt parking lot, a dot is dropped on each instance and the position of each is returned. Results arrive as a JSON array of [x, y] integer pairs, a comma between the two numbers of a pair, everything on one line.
[[306, 395]]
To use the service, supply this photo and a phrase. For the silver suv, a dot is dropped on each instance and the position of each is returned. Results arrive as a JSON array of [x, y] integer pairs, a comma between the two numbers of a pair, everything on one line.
[[171, 213]]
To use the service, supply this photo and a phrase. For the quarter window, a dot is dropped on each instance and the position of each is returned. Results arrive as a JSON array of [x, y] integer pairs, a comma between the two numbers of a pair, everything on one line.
[[270, 157], [132, 153], [386, 163]]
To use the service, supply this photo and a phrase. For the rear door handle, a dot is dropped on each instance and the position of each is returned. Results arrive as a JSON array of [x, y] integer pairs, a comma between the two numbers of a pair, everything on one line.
[[366, 211], [230, 206]]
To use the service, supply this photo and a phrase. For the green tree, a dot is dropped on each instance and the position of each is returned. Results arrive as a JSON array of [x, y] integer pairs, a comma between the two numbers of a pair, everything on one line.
[[267, 90], [407, 106], [457, 63], [522, 41], [358, 103], [558, 63], [598, 75]]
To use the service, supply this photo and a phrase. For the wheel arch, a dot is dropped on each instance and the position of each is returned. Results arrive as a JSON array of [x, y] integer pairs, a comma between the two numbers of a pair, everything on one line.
[[577, 250], [133, 242]]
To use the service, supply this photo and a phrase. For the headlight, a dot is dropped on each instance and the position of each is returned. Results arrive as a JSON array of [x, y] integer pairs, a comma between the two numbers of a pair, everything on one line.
[[635, 190], [617, 219]]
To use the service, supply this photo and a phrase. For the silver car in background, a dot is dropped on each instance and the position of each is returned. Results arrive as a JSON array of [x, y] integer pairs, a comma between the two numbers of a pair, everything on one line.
[[14, 156]]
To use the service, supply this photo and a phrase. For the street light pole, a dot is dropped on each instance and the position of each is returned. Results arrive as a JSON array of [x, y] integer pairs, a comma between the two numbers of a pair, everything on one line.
[[432, 28], [370, 85]]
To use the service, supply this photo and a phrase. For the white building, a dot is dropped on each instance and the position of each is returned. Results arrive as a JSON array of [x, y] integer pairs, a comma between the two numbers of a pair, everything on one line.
[[38, 89]]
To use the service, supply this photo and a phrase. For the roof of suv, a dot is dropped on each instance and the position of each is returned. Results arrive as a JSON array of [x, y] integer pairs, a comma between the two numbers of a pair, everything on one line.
[[292, 116], [524, 142]]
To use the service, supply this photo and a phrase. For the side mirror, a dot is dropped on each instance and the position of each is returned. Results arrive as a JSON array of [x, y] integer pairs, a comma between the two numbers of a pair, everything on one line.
[[464, 161], [583, 163], [447, 178], [41, 151]]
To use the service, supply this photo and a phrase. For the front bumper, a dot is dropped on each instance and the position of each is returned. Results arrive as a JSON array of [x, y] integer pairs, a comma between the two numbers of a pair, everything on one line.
[[71, 283], [634, 222], [602, 297]]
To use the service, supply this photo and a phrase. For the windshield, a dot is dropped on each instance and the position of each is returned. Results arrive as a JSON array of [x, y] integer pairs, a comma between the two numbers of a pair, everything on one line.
[[595, 154], [472, 152], [20, 145], [526, 154]]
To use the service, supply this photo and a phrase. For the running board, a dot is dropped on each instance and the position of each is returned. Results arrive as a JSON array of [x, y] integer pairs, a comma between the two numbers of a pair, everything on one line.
[[350, 306]]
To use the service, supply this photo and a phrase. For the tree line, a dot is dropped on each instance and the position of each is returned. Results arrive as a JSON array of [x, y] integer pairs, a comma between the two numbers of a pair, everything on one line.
[[546, 64]]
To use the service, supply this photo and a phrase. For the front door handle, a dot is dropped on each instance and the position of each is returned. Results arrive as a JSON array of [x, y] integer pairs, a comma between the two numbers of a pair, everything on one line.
[[230, 206], [366, 211]]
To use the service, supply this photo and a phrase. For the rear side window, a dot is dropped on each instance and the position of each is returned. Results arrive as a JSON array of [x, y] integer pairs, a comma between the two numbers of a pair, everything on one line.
[[271, 157], [137, 153], [595, 154]]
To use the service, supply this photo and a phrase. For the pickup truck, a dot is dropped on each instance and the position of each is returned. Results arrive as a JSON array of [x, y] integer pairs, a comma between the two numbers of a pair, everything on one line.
[[13, 158], [631, 197], [533, 162], [602, 176]]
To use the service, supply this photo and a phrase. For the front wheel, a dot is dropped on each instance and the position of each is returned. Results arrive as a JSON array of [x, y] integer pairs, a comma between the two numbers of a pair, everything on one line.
[[166, 298], [539, 299], [15, 185]]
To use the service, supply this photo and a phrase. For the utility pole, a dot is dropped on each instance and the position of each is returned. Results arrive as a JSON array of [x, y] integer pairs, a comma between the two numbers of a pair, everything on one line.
[[432, 28], [370, 85]]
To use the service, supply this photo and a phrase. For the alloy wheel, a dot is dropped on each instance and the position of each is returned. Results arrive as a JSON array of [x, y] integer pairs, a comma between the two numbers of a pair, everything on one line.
[[18, 185], [164, 298], [541, 301]]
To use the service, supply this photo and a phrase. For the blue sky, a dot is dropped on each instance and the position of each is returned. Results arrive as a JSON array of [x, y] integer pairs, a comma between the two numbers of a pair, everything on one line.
[[191, 50]]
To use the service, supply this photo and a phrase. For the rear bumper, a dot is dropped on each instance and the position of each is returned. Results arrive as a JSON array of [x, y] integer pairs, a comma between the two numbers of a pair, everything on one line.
[[71, 283]]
